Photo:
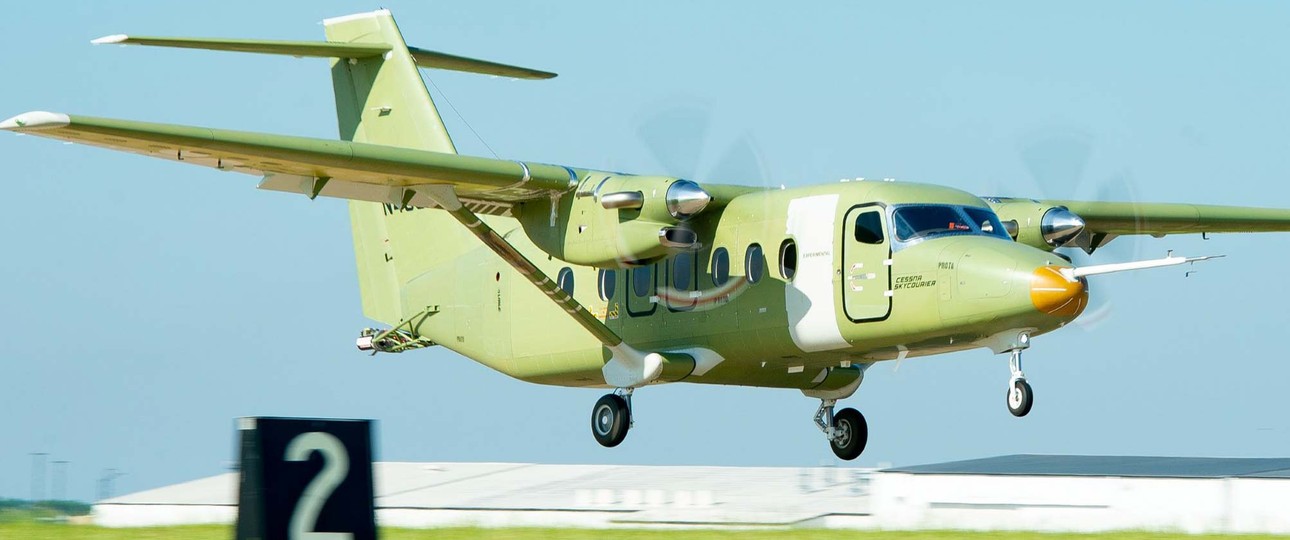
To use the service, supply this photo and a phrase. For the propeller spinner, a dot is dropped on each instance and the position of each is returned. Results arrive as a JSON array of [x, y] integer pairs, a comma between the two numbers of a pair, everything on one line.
[[685, 199], [1060, 226]]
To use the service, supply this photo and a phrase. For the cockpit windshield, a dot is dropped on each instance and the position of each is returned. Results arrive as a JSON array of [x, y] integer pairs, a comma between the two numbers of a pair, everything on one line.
[[915, 223]]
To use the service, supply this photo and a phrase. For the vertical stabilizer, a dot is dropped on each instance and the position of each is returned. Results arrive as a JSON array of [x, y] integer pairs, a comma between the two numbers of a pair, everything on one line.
[[382, 100]]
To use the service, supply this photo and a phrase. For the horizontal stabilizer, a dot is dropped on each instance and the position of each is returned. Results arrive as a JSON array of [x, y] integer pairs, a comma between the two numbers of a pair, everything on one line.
[[438, 60], [330, 49], [323, 49]]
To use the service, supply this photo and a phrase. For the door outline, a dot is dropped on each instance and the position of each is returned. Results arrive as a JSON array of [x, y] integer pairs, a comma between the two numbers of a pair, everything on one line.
[[843, 283], [631, 298]]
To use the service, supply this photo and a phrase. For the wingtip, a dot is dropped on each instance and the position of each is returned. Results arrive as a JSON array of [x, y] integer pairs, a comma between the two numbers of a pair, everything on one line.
[[35, 120], [114, 38]]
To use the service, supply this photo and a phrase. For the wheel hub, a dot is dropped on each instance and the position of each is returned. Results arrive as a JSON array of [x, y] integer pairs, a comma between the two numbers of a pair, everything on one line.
[[604, 420], [842, 437]]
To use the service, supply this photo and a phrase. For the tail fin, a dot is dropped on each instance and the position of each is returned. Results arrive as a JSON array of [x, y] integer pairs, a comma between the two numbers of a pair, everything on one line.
[[380, 99], [383, 100]]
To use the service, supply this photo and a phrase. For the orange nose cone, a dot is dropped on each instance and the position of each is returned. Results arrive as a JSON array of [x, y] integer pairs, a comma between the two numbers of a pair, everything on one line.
[[1054, 294]]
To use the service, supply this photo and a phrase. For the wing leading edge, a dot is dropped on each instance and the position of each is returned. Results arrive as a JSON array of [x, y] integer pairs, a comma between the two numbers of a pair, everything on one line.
[[312, 166]]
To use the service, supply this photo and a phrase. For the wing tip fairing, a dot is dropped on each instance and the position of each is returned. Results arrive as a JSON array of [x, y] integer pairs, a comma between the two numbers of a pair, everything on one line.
[[35, 120], [114, 38]]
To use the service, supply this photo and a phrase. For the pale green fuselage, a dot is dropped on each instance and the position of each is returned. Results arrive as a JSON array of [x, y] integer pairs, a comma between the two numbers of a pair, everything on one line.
[[847, 303]]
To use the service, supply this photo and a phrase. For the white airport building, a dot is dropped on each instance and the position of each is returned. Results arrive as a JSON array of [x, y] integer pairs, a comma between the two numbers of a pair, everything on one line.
[[1022, 492]]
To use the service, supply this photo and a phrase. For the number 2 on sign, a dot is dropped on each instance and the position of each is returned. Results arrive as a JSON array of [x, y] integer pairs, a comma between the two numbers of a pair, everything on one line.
[[335, 467]]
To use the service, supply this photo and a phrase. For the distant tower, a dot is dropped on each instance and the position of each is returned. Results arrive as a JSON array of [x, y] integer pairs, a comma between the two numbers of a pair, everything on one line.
[[38, 475], [59, 489]]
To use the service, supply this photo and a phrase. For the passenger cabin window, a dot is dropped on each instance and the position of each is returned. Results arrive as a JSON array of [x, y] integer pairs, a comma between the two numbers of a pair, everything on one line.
[[564, 280], [607, 281], [683, 271], [869, 228], [754, 263], [642, 281], [720, 266], [788, 259]]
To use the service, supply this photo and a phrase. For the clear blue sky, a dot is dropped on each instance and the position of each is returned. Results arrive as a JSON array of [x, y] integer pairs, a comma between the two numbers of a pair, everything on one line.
[[147, 303]]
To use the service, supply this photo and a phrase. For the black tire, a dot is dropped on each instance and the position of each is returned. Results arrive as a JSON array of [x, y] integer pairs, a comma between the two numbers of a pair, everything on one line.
[[853, 434], [610, 420], [1020, 398]]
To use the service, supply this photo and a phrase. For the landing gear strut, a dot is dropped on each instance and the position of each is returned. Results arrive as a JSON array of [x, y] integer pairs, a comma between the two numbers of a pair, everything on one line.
[[612, 417], [846, 430], [1020, 397]]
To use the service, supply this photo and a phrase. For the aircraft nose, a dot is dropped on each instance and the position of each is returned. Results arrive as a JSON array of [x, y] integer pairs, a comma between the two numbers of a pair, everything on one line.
[[1053, 293]]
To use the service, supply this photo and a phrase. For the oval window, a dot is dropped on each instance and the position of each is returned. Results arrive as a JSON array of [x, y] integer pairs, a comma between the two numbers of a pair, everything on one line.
[[564, 280], [642, 281], [788, 259], [683, 271], [720, 267], [754, 263], [607, 280]]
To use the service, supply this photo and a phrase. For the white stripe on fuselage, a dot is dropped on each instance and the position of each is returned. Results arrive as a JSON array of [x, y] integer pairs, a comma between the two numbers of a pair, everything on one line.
[[809, 296]]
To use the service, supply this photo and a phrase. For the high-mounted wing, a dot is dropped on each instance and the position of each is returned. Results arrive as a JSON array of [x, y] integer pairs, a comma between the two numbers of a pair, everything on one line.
[[1089, 225], [315, 167], [1159, 219], [1103, 221]]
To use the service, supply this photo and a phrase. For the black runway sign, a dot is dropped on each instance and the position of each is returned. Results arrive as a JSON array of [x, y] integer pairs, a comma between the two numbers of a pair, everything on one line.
[[305, 479]]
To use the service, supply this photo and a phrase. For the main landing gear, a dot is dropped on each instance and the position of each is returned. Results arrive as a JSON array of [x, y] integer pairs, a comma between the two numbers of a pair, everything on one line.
[[846, 430], [612, 417], [1020, 397]]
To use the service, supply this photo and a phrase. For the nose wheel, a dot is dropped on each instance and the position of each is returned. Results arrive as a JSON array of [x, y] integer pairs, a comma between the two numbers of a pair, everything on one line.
[[1020, 396], [846, 430], [611, 418]]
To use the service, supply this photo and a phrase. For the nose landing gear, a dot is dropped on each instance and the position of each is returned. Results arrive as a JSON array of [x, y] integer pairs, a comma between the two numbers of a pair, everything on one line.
[[846, 430], [1020, 396]]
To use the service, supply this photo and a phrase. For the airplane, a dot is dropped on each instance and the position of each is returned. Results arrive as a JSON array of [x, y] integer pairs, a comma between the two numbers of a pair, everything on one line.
[[577, 277]]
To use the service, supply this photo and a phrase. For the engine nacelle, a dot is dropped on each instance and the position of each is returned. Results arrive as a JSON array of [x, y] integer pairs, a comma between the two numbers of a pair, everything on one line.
[[1037, 224], [613, 221]]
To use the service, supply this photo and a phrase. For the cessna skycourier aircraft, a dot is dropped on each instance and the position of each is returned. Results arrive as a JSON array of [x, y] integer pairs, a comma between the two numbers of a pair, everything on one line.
[[577, 277]]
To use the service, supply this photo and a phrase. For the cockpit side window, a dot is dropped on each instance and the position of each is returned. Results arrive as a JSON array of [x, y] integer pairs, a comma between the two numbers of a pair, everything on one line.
[[869, 228]]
